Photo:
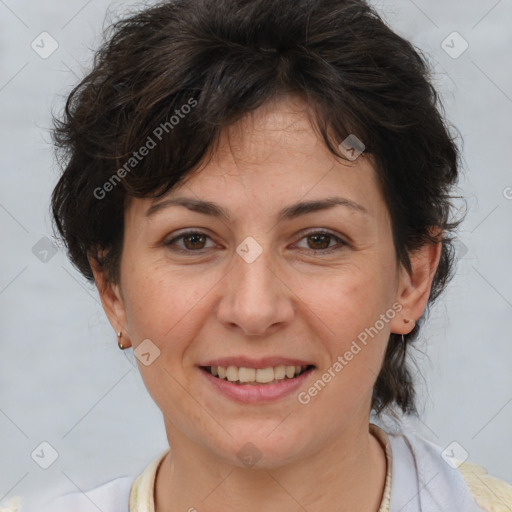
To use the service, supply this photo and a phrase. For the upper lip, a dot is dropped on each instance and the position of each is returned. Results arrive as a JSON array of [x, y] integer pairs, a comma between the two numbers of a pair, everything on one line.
[[264, 362]]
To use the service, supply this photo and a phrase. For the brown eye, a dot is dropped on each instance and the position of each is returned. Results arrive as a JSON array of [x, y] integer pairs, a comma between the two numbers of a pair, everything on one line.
[[320, 241], [196, 241], [192, 242]]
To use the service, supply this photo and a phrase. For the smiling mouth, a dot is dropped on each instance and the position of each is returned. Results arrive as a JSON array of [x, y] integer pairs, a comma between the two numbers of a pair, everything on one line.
[[258, 376]]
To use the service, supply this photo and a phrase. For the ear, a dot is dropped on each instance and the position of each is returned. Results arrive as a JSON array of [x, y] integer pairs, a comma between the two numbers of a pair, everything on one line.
[[414, 287], [111, 299]]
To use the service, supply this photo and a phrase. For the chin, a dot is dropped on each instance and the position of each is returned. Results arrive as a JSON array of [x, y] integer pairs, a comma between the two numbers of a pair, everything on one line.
[[261, 446]]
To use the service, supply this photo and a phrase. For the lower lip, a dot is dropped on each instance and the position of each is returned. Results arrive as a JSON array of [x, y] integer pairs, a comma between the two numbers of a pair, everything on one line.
[[256, 393]]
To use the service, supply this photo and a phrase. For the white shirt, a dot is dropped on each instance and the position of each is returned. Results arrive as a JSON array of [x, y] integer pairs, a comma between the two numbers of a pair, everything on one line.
[[418, 479]]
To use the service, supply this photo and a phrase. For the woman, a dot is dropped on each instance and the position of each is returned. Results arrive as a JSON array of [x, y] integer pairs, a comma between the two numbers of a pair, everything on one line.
[[261, 193]]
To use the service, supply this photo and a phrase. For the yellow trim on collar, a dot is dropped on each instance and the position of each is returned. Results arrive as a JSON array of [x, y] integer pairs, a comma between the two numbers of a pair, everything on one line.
[[142, 490], [490, 493]]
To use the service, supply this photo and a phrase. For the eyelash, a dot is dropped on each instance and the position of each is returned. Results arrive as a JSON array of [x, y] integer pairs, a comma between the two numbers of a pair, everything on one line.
[[306, 235]]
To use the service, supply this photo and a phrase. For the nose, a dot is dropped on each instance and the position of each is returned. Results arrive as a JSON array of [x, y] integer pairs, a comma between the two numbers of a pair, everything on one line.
[[257, 298]]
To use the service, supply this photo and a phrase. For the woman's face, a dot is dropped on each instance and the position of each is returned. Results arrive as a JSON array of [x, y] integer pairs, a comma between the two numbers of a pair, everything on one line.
[[268, 285]]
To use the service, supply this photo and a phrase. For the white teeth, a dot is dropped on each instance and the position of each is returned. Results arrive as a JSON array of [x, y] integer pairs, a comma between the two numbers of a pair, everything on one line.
[[264, 375], [260, 375], [232, 373], [246, 374], [280, 372]]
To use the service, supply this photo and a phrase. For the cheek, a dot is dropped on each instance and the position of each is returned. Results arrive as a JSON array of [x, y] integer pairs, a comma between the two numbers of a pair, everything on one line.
[[353, 296], [164, 303], [352, 315], [164, 306], [350, 327]]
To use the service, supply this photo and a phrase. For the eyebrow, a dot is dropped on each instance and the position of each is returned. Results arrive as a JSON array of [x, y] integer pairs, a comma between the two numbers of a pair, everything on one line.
[[288, 213]]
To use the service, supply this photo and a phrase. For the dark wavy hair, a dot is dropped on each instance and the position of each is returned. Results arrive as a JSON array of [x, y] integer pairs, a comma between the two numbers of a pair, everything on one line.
[[226, 58]]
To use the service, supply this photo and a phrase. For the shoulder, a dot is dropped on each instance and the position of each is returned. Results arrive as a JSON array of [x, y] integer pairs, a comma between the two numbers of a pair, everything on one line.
[[13, 505], [491, 493], [111, 496], [119, 495], [455, 479]]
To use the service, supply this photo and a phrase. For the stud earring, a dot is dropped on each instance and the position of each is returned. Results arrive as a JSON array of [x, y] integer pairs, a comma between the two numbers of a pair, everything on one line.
[[119, 344]]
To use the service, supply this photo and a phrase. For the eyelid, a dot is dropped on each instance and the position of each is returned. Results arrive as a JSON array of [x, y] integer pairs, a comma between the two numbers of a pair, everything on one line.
[[319, 231], [183, 234], [341, 242]]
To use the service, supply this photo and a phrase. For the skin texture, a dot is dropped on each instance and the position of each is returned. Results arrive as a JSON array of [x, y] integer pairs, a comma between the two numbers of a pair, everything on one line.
[[295, 300]]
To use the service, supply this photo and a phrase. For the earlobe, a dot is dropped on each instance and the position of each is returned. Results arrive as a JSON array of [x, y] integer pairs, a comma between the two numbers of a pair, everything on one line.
[[414, 287], [111, 298]]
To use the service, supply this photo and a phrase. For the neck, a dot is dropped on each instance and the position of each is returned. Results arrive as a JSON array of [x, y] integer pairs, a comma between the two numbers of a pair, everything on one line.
[[347, 475]]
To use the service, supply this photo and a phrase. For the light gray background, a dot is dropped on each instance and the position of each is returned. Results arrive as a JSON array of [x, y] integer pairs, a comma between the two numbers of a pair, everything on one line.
[[63, 379]]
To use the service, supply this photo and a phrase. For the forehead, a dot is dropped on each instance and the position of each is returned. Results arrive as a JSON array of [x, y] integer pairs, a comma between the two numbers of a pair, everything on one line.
[[273, 157], [270, 138]]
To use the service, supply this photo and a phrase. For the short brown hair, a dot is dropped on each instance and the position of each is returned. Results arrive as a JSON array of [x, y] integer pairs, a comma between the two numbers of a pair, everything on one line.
[[226, 58]]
